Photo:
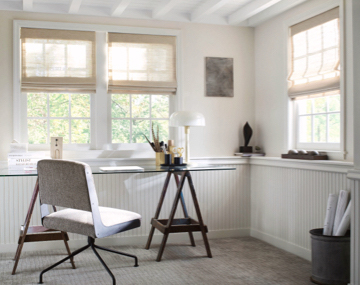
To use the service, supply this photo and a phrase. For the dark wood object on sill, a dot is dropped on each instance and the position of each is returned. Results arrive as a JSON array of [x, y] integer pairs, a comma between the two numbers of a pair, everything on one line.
[[305, 156], [38, 233]]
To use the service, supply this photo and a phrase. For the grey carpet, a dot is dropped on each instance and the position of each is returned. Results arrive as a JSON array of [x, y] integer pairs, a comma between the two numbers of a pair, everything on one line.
[[235, 261]]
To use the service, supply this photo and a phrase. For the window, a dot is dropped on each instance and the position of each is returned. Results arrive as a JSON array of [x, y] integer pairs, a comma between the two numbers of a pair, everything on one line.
[[134, 114], [56, 114], [319, 119], [61, 93], [54, 62], [314, 81], [142, 75]]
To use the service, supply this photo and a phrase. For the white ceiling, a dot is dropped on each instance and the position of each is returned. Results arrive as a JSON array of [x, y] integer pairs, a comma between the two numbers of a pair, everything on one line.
[[222, 12]]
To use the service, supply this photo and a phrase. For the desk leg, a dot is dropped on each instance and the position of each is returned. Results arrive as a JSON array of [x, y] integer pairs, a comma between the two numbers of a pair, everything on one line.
[[22, 238], [26, 225], [192, 241], [197, 208], [158, 209], [172, 214]]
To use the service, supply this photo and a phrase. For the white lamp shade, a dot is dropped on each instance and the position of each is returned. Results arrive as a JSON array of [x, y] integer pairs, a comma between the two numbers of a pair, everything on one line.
[[186, 118]]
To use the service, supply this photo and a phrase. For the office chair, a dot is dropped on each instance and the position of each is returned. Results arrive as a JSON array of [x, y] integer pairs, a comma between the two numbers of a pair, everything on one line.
[[70, 184]]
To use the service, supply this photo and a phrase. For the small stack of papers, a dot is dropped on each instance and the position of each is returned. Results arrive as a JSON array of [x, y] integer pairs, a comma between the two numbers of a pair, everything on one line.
[[121, 168], [338, 210]]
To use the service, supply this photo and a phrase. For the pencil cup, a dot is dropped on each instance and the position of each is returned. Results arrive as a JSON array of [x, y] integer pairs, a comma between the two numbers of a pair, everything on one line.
[[168, 158], [178, 160], [159, 158]]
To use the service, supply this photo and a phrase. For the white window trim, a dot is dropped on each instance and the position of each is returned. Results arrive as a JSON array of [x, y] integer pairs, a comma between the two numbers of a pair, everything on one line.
[[291, 105], [100, 109]]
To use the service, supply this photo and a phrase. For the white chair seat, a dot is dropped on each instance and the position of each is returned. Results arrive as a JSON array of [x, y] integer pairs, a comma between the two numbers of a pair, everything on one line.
[[81, 222]]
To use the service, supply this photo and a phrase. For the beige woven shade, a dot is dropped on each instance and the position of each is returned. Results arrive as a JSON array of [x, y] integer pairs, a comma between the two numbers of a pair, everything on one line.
[[57, 61], [142, 64], [315, 57]]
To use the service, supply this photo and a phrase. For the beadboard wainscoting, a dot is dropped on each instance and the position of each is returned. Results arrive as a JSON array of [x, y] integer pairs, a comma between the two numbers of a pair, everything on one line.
[[224, 198], [289, 198], [275, 200], [354, 176]]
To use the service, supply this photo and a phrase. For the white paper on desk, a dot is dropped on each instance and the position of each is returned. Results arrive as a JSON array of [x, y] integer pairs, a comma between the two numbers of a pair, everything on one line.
[[330, 214], [340, 209], [345, 222], [121, 168]]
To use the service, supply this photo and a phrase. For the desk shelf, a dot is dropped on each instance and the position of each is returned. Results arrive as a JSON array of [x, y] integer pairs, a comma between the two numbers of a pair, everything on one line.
[[178, 225]]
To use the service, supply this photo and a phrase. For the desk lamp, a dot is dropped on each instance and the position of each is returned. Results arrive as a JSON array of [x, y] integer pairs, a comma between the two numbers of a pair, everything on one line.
[[187, 119]]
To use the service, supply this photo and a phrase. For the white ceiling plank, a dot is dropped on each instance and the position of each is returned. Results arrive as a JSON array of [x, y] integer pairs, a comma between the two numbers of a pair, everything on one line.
[[207, 8], [28, 5], [249, 10], [120, 7], [74, 6], [164, 8], [273, 11]]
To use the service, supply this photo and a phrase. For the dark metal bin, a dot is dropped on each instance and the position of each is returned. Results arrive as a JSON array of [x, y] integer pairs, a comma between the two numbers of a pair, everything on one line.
[[330, 258]]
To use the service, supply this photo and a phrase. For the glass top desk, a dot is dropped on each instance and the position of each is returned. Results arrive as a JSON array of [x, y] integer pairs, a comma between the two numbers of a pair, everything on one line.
[[165, 226]]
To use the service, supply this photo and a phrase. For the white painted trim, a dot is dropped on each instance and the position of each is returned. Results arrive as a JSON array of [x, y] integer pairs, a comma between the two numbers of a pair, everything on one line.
[[100, 109], [283, 244], [354, 174], [273, 11], [252, 8], [97, 28], [164, 8], [292, 122], [208, 8], [317, 165]]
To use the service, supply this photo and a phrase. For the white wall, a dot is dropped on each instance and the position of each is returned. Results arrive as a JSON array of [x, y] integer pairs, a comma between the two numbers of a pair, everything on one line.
[[271, 101], [224, 116]]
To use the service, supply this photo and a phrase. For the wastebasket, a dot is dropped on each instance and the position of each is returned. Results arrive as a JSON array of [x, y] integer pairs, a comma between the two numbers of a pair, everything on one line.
[[330, 258]]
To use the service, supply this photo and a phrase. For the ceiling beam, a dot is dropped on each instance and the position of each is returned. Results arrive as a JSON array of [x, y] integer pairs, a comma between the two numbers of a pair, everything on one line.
[[164, 8], [28, 5], [207, 8], [74, 6], [249, 10], [273, 11], [120, 7]]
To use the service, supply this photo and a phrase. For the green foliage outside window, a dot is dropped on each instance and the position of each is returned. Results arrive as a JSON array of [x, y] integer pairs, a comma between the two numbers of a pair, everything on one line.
[[58, 114], [133, 115], [319, 119]]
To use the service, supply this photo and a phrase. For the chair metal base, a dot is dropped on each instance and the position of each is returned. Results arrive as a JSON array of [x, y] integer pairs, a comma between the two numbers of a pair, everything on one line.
[[91, 243]]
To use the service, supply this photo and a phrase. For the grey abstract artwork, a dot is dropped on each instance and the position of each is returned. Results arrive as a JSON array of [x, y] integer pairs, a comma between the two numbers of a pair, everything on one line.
[[219, 77]]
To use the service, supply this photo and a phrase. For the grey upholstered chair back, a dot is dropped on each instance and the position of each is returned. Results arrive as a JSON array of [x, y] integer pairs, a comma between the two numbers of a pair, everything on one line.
[[64, 184]]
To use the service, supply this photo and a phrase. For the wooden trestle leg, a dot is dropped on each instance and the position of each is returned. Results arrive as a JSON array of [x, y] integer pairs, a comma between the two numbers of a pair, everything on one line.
[[158, 209], [37, 233], [172, 225]]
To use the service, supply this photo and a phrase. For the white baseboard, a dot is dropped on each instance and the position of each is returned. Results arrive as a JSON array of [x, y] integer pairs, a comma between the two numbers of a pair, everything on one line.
[[132, 240], [283, 244]]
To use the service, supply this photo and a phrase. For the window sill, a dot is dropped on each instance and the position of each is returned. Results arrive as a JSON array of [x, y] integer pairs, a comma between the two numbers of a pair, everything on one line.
[[320, 165]]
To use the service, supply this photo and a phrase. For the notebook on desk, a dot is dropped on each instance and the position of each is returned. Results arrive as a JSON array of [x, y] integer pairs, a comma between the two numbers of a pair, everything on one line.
[[121, 168]]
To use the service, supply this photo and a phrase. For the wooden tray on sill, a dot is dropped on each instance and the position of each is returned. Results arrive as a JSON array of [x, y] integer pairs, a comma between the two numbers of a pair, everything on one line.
[[305, 156]]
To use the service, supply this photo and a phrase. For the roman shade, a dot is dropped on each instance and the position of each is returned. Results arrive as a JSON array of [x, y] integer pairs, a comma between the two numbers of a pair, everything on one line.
[[57, 61], [141, 64], [315, 55]]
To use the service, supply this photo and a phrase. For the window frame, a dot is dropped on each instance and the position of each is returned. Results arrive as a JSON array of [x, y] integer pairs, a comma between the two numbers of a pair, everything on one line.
[[100, 108], [314, 145], [293, 116]]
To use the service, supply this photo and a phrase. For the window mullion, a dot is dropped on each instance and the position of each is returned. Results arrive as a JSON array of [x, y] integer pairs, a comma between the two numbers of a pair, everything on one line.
[[48, 117], [150, 125], [131, 118], [69, 121]]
